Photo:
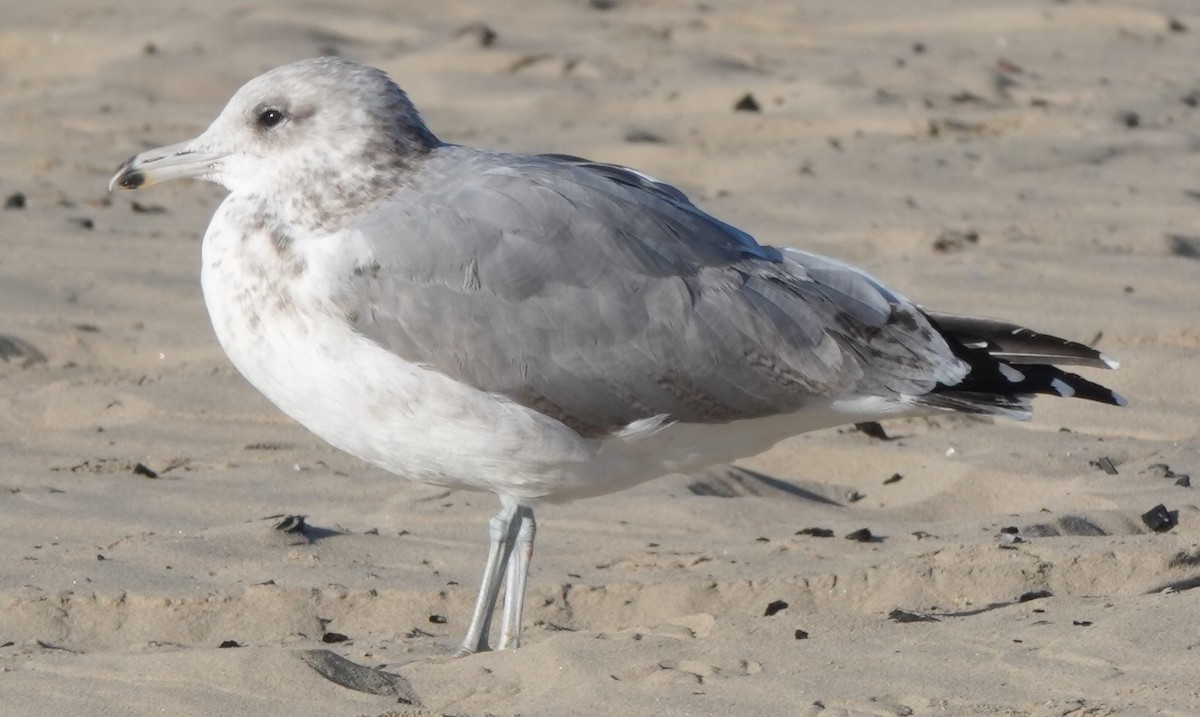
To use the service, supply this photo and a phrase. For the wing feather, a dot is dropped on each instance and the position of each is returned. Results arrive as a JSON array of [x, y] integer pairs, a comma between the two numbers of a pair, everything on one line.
[[601, 296]]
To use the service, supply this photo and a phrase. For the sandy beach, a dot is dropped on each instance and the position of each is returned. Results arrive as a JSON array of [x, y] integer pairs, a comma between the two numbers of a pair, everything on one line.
[[1037, 161]]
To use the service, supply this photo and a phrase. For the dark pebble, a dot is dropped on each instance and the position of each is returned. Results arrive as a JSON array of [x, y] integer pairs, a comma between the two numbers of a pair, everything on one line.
[[1185, 246], [332, 637], [1159, 519], [149, 49], [141, 469], [1174, 24], [642, 136], [872, 429], [1081, 623], [1191, 99], [100, 557], [604, 4], [799, 635], [816, 532], [15, 201], [1035, 595], [1132, 120], [967, 97], [905, 616], [1162, 470], [952, 240], [1011, 530], [10, 643], [83, 222], [139, 208], [862, 535], [747, 104], [774, 607], [896, 478], [762, 540], [230, 643], [437, 619]]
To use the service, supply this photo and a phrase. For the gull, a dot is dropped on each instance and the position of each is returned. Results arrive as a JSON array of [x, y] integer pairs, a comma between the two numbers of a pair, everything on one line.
[[543, 327]]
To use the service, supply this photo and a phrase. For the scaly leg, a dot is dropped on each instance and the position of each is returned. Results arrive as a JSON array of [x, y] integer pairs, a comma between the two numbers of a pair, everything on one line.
[[518, 572], [502, 540]]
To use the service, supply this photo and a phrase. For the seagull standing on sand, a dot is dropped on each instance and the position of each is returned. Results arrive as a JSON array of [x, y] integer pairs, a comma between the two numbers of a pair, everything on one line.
[[543, 327]]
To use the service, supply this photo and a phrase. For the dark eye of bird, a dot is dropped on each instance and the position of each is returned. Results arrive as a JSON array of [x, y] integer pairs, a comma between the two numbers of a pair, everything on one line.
[[270, 117]]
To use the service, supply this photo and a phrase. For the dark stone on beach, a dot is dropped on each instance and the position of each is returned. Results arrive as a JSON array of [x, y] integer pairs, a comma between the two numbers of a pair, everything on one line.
[[862, 535], [952, 240], [872, 429], [747, 104], [333, 637], [230, 643], [12, 347], [1184, 246], [139, 208], [1159, 519], [438, 619], [774, 607], [800, 635], [1035, 595], [905, 616], [816, 532], [643, 136], [16, 200], [896, 478], [141, 469]]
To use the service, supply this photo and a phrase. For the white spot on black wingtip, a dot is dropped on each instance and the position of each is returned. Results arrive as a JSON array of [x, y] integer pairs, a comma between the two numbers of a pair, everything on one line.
[[1062, 388], [1010, 373], [1118, 399], [1110, 362]]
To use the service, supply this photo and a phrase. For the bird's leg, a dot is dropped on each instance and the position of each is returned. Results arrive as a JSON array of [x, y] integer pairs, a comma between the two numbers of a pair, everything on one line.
[[502, 540], [518, 571]]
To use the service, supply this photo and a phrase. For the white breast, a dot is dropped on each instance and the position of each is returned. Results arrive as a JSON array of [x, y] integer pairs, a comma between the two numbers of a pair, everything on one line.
[[273, 315]]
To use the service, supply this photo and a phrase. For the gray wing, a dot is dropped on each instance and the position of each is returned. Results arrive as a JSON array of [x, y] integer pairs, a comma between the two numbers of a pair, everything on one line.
[[600, 296]]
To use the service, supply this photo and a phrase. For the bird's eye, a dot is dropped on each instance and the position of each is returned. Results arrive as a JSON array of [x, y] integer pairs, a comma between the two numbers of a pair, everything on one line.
[[270, 117]]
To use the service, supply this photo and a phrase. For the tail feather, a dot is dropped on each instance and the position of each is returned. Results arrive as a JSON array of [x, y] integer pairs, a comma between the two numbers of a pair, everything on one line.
[[1009, 364]]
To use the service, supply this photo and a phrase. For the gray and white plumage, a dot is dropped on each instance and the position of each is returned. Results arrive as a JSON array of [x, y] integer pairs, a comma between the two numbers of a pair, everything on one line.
[[543, 327]]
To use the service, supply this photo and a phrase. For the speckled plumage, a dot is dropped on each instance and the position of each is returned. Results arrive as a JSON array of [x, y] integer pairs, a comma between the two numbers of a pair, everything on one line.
[[542, 327]]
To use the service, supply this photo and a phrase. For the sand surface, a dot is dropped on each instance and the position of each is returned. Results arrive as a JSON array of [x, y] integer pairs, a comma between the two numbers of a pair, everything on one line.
[[1034, 160]]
